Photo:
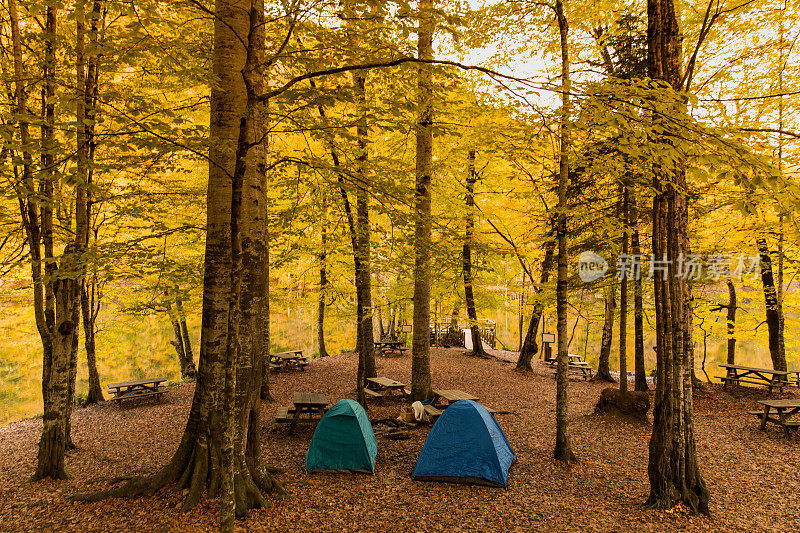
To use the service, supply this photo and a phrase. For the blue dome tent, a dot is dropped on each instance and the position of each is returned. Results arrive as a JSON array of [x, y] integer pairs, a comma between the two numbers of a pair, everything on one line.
[[466, 445], [343, 441]]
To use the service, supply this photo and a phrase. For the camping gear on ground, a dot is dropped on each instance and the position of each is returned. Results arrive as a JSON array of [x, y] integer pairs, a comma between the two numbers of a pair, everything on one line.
[[390, 429], [343, 441], [466, 445], [419, 411]]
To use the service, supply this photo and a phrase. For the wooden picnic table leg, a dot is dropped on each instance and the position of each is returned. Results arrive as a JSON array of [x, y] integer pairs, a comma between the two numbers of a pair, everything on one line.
[[764, 418], [782, 420]]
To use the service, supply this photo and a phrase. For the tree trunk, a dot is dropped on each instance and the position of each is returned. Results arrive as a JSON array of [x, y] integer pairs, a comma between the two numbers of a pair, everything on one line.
[[420, 362], [177, 341], [521, 324], [731, 322], [563, 448], [603, 370], [623, 301], [779, 292], [215, 454], [773, 311], [191, 369], [59, 312], [323, 278], [469, 223], [531, 347], [90, 307], [351, 225], [638, 307], [366, 340], [672, 468], [90, 298]]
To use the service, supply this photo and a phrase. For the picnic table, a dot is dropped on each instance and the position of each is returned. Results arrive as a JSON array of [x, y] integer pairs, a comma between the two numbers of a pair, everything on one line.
[[451, 396], [384, 347], [577, 366], [757, 376], [290, 360], [136, 389], [308, 407], [784, 409], [376, 387]]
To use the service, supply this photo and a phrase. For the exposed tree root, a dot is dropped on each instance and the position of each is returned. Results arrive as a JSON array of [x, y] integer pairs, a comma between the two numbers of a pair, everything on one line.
[[603, 376], [565, 455], [197, 470]]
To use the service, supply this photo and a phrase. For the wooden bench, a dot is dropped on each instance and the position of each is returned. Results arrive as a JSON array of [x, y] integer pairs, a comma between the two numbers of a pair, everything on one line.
[[287, 415], [770, 378], [136, 389], [779, 412], [789, 424], [581, 369], [136, 395], [432, 412], [372, 393], [739, 381]]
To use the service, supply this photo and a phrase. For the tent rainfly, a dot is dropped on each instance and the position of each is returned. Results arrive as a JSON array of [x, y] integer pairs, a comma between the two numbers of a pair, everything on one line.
[[466, 445], [343, 441]]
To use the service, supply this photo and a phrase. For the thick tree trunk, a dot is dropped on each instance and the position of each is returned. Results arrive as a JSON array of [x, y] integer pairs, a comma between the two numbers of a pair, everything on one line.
[[61, 307], [563, 448], [672, 468], [623, 301], [773, 310], [638, 307], [731, 322], [214, 455], [469, 223], [603, 369], [420, 362], [530, 347]]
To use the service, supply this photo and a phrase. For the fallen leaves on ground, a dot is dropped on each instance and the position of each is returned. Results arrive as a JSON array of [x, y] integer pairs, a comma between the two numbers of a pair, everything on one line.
[[752, 475]]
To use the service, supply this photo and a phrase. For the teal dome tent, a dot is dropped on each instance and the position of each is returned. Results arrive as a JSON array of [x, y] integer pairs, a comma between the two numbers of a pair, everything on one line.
[[343, 441]]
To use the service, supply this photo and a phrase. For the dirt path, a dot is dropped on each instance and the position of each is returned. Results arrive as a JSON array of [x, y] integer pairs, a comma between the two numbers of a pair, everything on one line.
[[752, 475]]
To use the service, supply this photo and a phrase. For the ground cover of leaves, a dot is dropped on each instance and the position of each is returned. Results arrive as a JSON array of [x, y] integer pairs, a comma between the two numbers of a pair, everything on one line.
[[752, 475]]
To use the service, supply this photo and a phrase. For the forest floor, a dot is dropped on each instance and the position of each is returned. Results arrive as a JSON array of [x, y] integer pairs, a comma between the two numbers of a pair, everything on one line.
[[752, 475]]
